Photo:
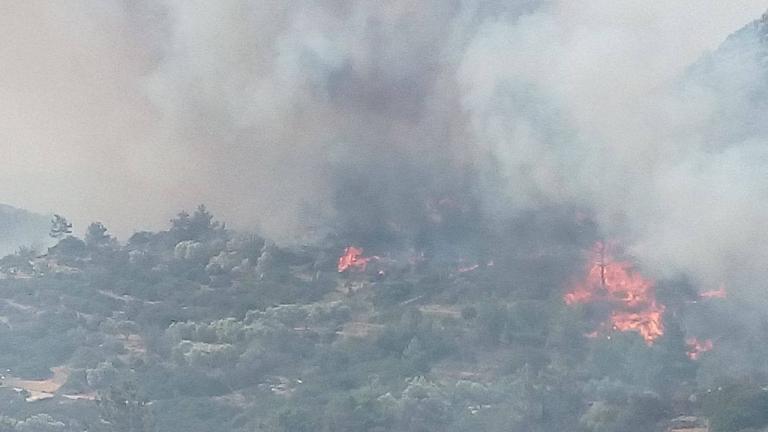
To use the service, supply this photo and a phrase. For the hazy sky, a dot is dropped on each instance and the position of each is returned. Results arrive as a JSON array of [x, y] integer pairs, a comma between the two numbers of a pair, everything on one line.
[[127, 111]]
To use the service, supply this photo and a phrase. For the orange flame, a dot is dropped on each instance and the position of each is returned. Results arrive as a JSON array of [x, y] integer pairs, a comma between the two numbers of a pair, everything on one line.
[[696, 347], [647, 322], [633, 296], [353, 260], [718, 293]]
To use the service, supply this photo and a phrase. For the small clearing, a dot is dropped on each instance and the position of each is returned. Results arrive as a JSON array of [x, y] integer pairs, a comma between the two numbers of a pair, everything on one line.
[[40, 389]]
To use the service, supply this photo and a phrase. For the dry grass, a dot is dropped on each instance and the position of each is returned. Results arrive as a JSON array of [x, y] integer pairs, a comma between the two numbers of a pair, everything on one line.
[[134, 344], [441, 311], [357, 329], [50, 385]]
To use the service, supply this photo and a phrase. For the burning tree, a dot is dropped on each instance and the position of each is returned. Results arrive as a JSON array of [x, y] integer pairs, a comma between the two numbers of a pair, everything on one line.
[[353, 260], [631, 296]]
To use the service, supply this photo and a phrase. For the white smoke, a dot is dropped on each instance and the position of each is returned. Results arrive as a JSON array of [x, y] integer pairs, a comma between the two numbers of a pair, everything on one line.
[[592, 104], [126, 112]]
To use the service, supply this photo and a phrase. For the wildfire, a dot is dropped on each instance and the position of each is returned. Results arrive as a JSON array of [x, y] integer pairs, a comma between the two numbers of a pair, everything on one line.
[[353, 260], [696, 347], [633, 297], [468, 268], [718, 293], [647, 322]]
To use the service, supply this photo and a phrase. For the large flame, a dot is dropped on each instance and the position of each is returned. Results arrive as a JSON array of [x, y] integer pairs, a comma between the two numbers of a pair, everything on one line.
[[353, 259], [633, 297]]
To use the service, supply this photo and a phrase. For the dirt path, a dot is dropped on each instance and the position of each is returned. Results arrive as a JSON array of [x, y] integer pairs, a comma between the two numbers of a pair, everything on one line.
[[21, 307], [40, 389]]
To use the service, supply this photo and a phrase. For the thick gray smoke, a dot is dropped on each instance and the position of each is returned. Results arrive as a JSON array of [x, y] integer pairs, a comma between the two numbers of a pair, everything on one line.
[[598, 104], [289, 115]]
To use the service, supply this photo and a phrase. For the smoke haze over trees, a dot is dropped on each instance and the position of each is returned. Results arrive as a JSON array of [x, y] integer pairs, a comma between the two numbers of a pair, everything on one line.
[[440, 215], [291, 116], [21, 228]]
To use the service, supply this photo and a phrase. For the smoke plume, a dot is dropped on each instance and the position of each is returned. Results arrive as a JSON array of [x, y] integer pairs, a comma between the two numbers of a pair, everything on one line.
[[290, 116]]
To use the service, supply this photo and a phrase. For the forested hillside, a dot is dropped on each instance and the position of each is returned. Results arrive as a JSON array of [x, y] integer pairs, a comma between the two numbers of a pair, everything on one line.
[[201, 328], [441, 216]]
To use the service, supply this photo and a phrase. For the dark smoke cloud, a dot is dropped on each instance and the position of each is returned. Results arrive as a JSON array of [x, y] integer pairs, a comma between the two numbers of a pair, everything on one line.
[[384, 117]]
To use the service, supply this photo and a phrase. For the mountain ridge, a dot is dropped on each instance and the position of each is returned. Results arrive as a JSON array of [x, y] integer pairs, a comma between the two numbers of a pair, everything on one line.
[[19, 227]]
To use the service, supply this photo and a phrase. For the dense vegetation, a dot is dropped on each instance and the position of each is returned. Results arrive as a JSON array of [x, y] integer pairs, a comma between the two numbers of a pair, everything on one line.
[[199, 328]]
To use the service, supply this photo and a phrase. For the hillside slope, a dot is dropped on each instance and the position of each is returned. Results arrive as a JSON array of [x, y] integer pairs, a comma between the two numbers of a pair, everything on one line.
[[21, 228]]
